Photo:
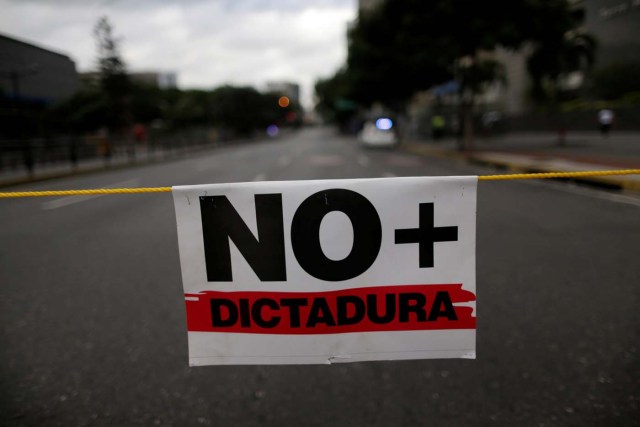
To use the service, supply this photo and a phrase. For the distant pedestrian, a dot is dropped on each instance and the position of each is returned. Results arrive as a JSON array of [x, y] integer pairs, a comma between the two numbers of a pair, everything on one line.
[[437, 126], [140, 133], [605, 119]]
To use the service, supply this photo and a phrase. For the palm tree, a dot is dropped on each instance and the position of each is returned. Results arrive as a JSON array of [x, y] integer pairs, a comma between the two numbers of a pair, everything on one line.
[[552, 60], [474, 75]]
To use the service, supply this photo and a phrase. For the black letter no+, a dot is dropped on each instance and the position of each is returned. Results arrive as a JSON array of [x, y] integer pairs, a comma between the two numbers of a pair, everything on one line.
[[426, 235], [305, 234], [221, 223]]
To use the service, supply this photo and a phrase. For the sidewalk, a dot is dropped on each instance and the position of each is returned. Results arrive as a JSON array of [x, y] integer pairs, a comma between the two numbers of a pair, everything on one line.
[[540, 152], [14, 173], [19, 175]]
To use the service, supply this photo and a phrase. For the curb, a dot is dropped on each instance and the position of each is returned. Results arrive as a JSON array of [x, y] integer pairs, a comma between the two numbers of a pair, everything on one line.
[[65, 174], [522, 164], [79, 172]]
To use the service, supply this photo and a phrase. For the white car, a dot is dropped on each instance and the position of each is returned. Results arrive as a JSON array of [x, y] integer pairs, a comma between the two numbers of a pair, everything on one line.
[[378, 133]]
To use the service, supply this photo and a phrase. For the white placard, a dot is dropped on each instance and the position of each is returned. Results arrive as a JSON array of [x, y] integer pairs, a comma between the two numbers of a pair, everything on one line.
[[328, 271]]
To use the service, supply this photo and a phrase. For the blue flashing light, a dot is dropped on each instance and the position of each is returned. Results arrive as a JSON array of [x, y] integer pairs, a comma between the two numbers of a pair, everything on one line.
[[384, 123]]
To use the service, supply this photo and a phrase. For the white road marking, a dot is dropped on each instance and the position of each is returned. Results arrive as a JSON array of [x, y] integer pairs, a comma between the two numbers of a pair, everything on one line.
[[389, 175], [259, 177], [363, 160], [71, 200]]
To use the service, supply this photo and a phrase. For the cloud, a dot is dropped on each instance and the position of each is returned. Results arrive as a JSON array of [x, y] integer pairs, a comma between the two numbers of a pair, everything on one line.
[[208, 43]]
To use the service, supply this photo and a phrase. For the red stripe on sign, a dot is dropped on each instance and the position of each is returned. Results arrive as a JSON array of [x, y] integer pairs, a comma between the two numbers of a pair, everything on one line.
[[386, 308]]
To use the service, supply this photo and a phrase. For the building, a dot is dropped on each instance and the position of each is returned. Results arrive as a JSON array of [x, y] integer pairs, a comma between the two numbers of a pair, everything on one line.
[[615, 24], [34, 74], [513, 96]]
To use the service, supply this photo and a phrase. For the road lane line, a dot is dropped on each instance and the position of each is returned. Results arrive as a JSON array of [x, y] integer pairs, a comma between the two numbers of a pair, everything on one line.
[[71, 200], [389, 175], [259, 177]]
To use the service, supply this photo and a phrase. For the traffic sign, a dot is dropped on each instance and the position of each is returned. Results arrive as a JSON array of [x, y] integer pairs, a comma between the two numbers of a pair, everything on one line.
[[328, 271]]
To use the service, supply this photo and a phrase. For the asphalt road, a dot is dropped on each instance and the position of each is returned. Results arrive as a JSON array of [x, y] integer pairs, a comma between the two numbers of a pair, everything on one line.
[[93, 327]]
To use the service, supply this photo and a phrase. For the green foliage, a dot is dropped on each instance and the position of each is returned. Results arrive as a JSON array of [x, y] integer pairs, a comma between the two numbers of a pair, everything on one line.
[[84, 112], [113, 76], [243, 109], [409, 45], [628, 100], [333, 95], [116, 103], [559, 47], [147, 103], [186, 108], [617, 80], [113, 73], [20, 118], [476, 75], [393, 52], [551, 60], [631, 99], [405, 46]]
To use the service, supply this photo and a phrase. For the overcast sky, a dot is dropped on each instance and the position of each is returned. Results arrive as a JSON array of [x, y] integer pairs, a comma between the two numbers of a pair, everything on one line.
[[206, 42]]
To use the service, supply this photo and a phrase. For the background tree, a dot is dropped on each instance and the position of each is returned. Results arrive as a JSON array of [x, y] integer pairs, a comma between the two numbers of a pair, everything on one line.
[[405, 46], [188, 108], [410, 45], [395, 50], [113, 76], [617, 80], [334, 101], [562, 49], [474, 75], [243, 110], [116, 102]]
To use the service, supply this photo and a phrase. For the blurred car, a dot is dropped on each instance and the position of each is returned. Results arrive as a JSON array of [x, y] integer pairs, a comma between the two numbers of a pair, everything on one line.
[[379, 133]]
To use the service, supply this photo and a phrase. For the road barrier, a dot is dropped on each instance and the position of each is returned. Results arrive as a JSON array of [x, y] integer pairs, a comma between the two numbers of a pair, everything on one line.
[[102, 191]]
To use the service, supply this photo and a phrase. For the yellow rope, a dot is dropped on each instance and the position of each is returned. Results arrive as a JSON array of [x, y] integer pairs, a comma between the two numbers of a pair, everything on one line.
[[559, 175], [101, 191], [86, 192]]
